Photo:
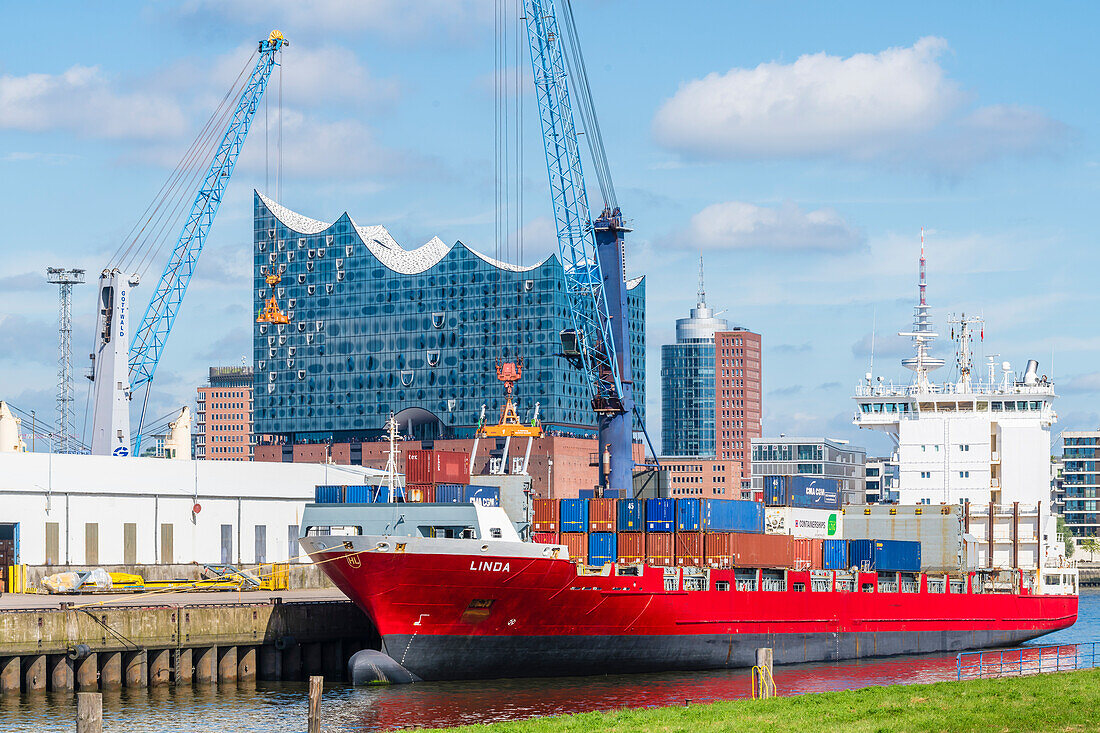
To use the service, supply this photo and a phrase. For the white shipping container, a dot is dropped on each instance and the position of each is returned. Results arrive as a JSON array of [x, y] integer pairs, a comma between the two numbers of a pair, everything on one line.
[[798, 522]]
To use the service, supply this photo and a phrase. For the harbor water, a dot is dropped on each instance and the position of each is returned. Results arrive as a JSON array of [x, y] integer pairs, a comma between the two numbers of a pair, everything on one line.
[[281, 706]]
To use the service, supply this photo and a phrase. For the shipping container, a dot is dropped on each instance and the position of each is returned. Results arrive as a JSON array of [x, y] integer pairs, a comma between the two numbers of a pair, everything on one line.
[[422, 493], [577, 543], [806, 553], [659, 548], [631, 547], [418, 467], [689, 549], [799, 522], [775, 491], [359, 494], [450, 493], [884, 555], [761, 550], [834, 554], [601, 548], [545, 538], [546, 515], [436, 467], [631, 515], [939, 529], [601, 515], [806, 492], [660, 515], [483, 495], [605, 494], [687, 515], [731, 515], [328, 495], [574, 515], [718, 549]]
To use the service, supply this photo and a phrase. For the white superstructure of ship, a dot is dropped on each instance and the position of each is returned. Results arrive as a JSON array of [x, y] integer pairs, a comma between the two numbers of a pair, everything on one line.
[[982, 440]]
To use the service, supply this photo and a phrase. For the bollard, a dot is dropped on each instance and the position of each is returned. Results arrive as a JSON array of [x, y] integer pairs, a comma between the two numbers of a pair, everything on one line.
[[762, 673], [89, 712], [316, 684]]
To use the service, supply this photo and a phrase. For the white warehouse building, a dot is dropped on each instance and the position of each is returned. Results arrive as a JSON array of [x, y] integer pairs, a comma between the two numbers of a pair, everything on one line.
[[104, 510]]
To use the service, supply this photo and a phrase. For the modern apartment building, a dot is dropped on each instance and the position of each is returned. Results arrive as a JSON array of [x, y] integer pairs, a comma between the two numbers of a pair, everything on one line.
[[738, 401], [882, 480], [223, 428], [1081, 482], [812, 457]]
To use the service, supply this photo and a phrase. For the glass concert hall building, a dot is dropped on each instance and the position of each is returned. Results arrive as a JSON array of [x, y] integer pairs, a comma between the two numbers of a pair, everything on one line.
[[377, 329]]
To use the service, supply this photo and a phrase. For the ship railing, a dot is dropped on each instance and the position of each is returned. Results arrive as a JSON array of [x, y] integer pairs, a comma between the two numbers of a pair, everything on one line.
[[1026, 660], [820, 585], [910, 586], [746, 584], [892, 389], [935, 586], [774, 585], [887, 586], [958, 586], [846, 586]]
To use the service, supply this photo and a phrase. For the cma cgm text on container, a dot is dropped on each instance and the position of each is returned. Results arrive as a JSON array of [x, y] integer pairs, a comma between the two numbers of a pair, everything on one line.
[[803, 522]]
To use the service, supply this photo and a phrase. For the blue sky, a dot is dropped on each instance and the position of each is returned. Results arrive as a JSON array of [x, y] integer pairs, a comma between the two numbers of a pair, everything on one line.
[[798, 147]]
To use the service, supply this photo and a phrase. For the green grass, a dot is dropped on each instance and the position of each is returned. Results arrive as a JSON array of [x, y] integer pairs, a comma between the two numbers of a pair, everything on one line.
[[1066, 701]]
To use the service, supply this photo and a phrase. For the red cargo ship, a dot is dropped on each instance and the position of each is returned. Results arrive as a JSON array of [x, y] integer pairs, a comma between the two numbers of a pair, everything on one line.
[[493, 606]]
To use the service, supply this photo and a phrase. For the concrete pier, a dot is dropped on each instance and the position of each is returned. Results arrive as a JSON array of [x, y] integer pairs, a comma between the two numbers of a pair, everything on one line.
[[110, 670], [61, 672], [204, 643]]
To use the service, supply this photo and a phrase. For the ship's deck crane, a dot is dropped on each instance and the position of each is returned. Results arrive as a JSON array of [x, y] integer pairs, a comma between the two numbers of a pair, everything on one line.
[[591, 251], [117, 370]]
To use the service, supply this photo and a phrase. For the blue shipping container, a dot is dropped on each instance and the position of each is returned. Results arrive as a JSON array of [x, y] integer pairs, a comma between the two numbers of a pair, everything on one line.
[[362, 495], [813, 493], [328, 495], [660, 515], [591, 494], [835, 554], [775, 491], [631, 515], [586, 493], [602, 548], [897, 555], [483, 495], [687, 515], [449, 493], [731, 515], [574, 515]]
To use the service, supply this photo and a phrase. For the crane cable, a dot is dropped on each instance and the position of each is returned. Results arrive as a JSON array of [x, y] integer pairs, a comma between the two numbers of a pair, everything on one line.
[[140, 239]]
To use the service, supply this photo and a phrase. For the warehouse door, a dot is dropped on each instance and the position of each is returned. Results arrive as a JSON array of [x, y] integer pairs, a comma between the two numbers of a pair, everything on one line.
[[91, 543], [293, 550], [53, 543], [227, 544], [167, 551], [261, 543], [129, 543], [9, 550]]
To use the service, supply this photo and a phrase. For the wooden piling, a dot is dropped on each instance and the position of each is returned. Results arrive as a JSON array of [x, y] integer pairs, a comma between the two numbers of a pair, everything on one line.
[[762, 673], [89, 712], [316, 684]]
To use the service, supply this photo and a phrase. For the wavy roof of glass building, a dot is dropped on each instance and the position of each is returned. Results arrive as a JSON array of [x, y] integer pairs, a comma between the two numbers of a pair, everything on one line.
[[378, 329]]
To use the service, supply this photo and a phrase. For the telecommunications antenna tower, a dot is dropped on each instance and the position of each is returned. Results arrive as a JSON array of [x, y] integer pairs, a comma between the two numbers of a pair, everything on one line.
[[66, 428]]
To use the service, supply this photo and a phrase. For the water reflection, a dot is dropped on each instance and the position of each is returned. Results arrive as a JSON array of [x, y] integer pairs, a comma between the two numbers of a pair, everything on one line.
[[282, 706]]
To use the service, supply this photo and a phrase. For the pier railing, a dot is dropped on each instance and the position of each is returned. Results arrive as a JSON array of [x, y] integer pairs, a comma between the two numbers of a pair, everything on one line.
[[1026, 660]]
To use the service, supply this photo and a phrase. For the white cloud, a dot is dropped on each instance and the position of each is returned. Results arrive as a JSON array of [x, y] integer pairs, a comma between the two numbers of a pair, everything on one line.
[[740, 225], [894, 105], [82, 100]]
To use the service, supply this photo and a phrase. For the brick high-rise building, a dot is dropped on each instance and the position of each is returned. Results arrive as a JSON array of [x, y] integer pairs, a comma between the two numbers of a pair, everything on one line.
[[223, 430], [738, 405]]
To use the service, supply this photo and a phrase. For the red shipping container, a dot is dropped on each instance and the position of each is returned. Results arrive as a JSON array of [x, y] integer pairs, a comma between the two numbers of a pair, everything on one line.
[[659, 548], [546, 538], [689, 549], [418, 467], [601, 515], [806, 553], [718, 549], [547, 515], [423, 493], [577, 543], [631, 546], [451, 467], [761, 550]]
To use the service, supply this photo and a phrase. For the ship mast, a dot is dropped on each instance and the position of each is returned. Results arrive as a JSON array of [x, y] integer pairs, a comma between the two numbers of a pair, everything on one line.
[[964, 357], [391, 462], [922, 334]]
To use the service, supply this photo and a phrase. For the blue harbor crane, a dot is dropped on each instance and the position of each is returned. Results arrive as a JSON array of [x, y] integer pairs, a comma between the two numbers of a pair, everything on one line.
[[119, 370], [591, 251]]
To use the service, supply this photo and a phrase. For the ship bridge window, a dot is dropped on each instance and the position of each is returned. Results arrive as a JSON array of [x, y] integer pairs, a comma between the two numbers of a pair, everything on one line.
[[996, 407], [1010, 407]]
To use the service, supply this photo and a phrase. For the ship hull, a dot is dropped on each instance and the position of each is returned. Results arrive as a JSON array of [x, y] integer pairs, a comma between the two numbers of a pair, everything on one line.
[[462, 609]]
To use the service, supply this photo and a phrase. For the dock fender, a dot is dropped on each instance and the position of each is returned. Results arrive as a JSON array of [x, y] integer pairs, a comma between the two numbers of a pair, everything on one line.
[[372, 667]]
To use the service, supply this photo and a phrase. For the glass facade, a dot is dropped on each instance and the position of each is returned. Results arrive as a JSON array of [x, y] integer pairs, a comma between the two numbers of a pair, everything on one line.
[[375, 329], [816, 457], [687, 399], [1081, 483]]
